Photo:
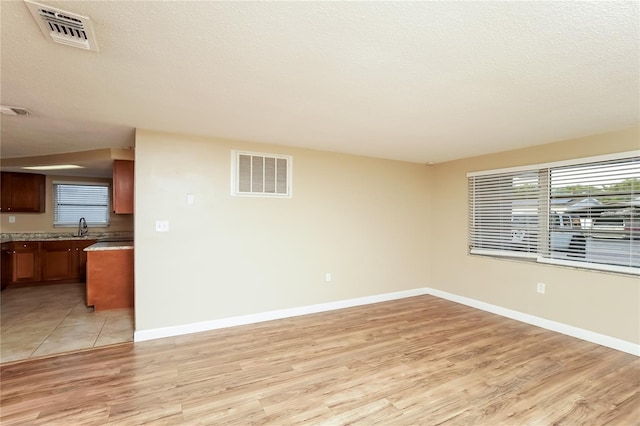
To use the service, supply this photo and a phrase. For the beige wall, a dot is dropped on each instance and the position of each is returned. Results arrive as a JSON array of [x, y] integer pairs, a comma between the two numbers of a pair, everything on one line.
[[600, 302], [43, 222], [363, 220]]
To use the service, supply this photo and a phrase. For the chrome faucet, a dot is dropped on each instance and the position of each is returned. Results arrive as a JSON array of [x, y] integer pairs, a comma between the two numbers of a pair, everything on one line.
[[82, 227]]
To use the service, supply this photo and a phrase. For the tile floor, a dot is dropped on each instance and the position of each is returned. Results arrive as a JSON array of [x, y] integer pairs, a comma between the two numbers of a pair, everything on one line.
[[38, 321]]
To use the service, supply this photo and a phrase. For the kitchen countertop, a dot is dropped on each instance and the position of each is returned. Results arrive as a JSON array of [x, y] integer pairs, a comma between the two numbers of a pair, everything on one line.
[[56, 236], [110, 245], [65, 238]]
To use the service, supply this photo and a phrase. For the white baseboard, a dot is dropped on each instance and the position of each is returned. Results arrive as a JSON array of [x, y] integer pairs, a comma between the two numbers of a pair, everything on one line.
[[178, 330], [580, 333], [590, 336]]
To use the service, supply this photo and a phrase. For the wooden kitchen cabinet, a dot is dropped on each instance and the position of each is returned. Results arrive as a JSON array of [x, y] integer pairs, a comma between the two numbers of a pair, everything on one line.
[[110, 278], [123, 186], [81, 258], [22, 192], [5, 265], [44, 261], [64, 260], [25, 261], [57, 260]]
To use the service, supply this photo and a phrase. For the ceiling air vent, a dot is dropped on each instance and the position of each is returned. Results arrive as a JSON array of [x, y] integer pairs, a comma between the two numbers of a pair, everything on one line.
[[63, 27]]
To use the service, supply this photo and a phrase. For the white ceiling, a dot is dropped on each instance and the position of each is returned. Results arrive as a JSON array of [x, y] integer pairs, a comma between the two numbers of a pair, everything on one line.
[[416, 81]]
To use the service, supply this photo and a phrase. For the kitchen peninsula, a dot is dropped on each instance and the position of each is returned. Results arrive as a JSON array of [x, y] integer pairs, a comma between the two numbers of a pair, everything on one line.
[[110, 275]]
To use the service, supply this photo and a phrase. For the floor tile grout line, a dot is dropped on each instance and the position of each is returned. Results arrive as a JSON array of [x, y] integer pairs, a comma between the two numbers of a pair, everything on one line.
[[50, 333], [100, 332], [17, 321]]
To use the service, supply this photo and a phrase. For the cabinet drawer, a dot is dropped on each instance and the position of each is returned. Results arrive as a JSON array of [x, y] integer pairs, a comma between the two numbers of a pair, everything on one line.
[[25, 245], [57, 245]]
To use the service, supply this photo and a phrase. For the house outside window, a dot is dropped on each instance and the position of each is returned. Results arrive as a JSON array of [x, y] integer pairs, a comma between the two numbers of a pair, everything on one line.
[[73, 200], [584, 213]]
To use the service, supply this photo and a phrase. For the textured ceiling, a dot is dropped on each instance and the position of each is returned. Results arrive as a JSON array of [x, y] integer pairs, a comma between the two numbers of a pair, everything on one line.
[[415, 81]]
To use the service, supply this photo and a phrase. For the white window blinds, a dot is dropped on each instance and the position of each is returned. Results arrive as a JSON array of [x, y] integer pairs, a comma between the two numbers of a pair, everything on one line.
[[504, 213], [595, 212], [71, 201], [585, 214]]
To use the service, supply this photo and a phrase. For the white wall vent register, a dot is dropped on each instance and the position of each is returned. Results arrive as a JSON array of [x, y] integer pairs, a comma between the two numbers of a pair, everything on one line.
[[63, 27], [256, 174]]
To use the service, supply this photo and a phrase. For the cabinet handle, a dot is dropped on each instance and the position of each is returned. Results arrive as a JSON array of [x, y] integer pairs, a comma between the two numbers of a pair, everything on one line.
[[68, 249], [24, 245]]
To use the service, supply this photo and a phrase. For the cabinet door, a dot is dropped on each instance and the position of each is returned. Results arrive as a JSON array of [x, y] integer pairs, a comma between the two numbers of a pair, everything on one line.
[[25, 265], [58, 260], [23, 192], [81, 258], [5, 192], [5, 265], [123, 186]]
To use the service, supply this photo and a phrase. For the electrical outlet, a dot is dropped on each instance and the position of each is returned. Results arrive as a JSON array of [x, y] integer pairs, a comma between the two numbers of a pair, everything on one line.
[[327, 277], [12, 219], [541, 288], [162, 226]]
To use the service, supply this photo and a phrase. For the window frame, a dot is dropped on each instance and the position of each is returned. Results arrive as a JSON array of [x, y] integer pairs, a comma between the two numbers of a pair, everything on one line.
[[236, 181], [93, 224], [544, 252]]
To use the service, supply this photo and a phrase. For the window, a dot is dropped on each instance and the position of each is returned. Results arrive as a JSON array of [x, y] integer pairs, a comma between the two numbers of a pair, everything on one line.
[[72, 200], [261, 174], [584, 213]]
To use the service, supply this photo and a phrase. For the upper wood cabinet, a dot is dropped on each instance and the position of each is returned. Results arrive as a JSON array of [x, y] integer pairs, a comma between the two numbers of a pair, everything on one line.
[[22, 192], [123, 186]]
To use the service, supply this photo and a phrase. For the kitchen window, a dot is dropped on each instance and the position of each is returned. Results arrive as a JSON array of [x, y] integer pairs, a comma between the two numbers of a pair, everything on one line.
[[73, 200], [583, 213]]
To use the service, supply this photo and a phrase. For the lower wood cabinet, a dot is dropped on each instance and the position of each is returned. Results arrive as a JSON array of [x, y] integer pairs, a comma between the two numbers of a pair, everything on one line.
[[110, 279], [81, 258], [44, 261], [57, 260], [24, 261], [5, 261]]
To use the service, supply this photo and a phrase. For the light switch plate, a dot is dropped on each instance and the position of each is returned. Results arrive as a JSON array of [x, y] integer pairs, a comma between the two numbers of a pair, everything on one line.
[[162, 226]]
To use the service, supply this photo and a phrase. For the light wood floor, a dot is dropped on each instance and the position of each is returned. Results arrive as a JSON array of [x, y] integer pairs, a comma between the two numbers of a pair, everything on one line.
[[416, 361], [41, 320]]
